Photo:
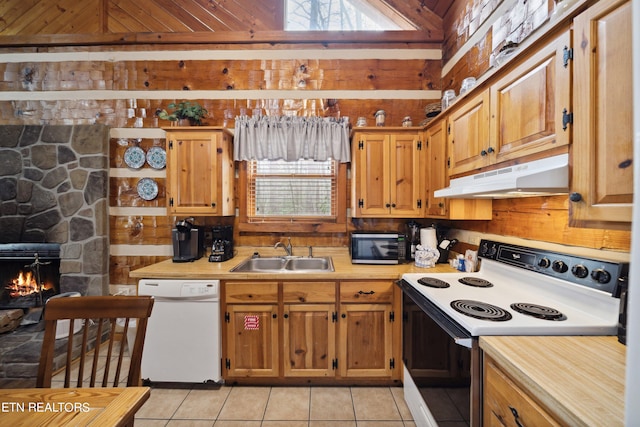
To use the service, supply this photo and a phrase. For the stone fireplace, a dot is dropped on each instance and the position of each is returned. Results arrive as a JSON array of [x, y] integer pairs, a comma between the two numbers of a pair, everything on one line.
[[54, 189]]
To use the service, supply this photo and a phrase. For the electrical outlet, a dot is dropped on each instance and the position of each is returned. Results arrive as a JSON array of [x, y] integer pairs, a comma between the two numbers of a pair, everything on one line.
[[122, 290]]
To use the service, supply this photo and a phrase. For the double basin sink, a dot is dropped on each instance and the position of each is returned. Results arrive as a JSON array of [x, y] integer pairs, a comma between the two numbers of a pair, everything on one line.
[[285, 265]]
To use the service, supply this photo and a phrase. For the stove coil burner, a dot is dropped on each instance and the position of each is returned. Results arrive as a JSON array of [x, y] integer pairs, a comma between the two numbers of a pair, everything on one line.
[[539, 311], [476, 282], [480, 310], [432, 282]]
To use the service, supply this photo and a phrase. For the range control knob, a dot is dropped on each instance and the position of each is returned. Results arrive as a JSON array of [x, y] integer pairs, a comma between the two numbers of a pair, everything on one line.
[[580, 271], [488, 251], [601, 275], [559, 267], [544, 263]]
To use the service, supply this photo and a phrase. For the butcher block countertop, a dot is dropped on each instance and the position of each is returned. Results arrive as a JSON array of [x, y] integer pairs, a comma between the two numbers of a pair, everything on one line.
[[579, 379], [203, 269]]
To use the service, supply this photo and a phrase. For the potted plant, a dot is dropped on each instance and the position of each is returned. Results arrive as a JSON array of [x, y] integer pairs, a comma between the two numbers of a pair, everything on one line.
[[184, 110]]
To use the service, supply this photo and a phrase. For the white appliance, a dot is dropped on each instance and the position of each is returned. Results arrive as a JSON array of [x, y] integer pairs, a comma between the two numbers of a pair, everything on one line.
[[182, 343], [539, 177], [518, 291]]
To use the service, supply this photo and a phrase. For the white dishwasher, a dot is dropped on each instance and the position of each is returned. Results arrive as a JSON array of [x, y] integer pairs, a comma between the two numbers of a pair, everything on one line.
[[182, 343]]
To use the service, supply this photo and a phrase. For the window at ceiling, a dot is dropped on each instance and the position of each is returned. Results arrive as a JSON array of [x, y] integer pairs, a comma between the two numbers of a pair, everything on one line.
[[336, 15], [306, 193]]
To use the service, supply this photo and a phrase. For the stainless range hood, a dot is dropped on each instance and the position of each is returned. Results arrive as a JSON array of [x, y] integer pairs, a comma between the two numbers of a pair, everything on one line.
[[540, 177]]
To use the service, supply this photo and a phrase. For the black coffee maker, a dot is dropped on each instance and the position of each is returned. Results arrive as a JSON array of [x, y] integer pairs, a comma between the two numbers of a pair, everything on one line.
[[222, 246], [188, 241]]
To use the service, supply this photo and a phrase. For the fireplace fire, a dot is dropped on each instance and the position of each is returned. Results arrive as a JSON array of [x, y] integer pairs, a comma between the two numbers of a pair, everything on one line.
[[29, 274]]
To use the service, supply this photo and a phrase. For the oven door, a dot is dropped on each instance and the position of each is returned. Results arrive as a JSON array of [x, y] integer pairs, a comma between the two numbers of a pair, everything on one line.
[[441, 362]]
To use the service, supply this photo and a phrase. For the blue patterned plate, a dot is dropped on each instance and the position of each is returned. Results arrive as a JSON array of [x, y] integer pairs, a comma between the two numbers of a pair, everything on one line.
[[157, 157], [134, 157], [147, 189]]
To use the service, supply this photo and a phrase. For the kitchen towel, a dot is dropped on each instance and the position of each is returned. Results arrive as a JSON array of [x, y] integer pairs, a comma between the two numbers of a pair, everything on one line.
[[428, 237]]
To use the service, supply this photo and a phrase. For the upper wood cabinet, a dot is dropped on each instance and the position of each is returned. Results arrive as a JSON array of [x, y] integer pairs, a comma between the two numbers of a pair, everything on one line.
[[388, 173], [436, 145], [200, 172], [530, 104], [468, 135], [437, 178], [602, 181], [520, 114]]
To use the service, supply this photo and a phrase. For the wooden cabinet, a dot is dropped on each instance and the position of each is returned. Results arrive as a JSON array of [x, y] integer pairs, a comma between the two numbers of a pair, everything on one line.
[[302, 331], [505, 403], [366, 329], [436, 145], [468, 135], [309, 338], [437, 178], [602, 182], [200, 171], [531, 102], [251, 319], [388, 173], [520, 114]]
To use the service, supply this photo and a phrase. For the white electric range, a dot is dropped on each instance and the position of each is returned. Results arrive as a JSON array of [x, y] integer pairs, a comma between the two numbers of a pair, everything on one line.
[[517, 291]]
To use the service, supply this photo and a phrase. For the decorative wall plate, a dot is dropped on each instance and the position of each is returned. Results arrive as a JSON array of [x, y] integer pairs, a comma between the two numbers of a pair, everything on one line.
[[147, 189], [157, 157], [134, 157]]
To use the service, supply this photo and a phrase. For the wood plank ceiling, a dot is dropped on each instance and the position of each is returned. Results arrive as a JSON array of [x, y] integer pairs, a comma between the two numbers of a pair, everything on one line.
[[41, 17]]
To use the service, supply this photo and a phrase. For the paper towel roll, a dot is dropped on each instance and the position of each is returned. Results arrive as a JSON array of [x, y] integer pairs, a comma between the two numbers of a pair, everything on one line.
[[428, 237]]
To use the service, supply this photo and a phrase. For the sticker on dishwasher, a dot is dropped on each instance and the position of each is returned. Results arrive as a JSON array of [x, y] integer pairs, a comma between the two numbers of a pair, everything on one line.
[[251, 322]]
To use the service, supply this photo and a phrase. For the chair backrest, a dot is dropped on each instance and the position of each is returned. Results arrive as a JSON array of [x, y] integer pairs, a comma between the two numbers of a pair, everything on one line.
[[99, 344]]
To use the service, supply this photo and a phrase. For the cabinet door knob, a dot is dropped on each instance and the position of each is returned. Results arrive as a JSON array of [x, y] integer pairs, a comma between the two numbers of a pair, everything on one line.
[[575, 197], [213, 205], [286, 315], [490, 150], [344, 316], [275, 316], [393, 205], [483, 153], [388, 205]]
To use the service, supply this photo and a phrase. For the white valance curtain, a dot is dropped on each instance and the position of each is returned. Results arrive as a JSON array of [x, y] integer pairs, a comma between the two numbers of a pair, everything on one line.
[[291, 138]]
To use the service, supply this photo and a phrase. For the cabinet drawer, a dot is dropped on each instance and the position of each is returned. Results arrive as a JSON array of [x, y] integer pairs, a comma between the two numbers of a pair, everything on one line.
[[309, 292], [508, 403], [366, 292], [247, 292]]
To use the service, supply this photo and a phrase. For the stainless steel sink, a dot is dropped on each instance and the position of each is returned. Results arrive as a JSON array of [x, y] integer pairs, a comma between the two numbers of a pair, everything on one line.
[[285, 265]]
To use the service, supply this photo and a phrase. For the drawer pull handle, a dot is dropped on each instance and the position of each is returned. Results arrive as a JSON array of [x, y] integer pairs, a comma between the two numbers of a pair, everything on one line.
[[366, 293], [516, 417]]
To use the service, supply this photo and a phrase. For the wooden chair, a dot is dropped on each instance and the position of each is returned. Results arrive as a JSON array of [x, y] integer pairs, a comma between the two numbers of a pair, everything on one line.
[[98, 314]]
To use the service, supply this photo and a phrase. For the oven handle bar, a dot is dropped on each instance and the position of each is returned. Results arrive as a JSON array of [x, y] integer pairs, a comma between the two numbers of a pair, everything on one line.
[[460, 335]]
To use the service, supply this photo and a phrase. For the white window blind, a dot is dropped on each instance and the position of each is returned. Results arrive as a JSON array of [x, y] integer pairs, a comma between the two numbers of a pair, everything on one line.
[[298, 190]]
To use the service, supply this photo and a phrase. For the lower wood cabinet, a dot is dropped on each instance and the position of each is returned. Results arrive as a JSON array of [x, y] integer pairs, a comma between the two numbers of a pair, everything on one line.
[[251, 326], [305, 331], [366, 336], [505, 403], [252, 340]]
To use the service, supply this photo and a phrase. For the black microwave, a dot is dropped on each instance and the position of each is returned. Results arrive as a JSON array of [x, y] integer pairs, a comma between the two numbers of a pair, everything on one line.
[[377, 247]]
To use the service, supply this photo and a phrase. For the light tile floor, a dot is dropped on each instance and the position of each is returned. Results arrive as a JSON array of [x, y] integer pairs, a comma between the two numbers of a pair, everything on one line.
[[244, 406], [318, 406]]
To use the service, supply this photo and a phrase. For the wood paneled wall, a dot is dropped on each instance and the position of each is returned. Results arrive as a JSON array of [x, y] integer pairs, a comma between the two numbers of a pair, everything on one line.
[[81, 88]]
